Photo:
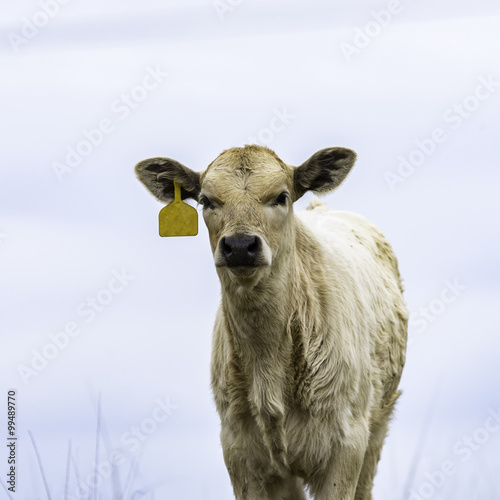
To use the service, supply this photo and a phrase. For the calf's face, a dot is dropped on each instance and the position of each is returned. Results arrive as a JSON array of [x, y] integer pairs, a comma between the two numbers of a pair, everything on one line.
[[247, 196], [247, 209]]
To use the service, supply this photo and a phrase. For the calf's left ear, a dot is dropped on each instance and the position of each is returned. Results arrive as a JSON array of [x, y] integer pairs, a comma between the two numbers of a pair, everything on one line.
[[323, 171], [158, 175]]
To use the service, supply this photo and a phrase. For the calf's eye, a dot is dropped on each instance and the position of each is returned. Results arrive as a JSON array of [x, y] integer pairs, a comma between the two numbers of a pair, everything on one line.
[[281, 199], [206, 202]]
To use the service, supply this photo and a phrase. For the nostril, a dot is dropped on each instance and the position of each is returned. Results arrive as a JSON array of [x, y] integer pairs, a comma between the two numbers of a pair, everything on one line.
[[226, 249], [254, 246]]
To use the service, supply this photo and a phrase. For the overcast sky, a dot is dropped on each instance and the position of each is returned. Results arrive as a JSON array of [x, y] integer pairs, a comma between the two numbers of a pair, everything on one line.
[[88, 90]]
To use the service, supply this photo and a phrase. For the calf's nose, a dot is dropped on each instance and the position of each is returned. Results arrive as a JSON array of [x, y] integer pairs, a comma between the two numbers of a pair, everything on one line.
[[240, 250]]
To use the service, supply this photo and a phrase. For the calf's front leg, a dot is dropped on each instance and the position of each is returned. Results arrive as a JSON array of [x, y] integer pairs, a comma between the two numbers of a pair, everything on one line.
[[340, 478]]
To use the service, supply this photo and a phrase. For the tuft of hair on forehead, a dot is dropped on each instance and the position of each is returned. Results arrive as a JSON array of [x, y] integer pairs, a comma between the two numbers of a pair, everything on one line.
[[246, 158]]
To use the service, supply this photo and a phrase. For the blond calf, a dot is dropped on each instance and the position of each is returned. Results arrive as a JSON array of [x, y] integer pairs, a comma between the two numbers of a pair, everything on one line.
[[310, 336]]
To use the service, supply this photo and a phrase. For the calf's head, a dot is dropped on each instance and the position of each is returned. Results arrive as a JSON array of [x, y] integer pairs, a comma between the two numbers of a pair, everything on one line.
[[247, 196]]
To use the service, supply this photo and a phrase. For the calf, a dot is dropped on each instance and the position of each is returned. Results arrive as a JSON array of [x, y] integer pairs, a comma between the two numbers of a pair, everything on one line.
[[310, 336]]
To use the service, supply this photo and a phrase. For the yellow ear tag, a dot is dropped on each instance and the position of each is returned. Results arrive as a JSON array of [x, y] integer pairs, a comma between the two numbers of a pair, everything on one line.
[[178, 218]]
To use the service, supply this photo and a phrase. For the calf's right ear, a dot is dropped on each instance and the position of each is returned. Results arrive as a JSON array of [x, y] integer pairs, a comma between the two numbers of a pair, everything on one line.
[[158, 175], [323, 171]]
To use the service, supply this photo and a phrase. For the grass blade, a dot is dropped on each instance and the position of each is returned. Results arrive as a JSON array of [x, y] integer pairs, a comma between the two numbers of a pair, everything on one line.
[[68, 463], [424, 431], [40, 466], [6, 490], [97, 440]]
